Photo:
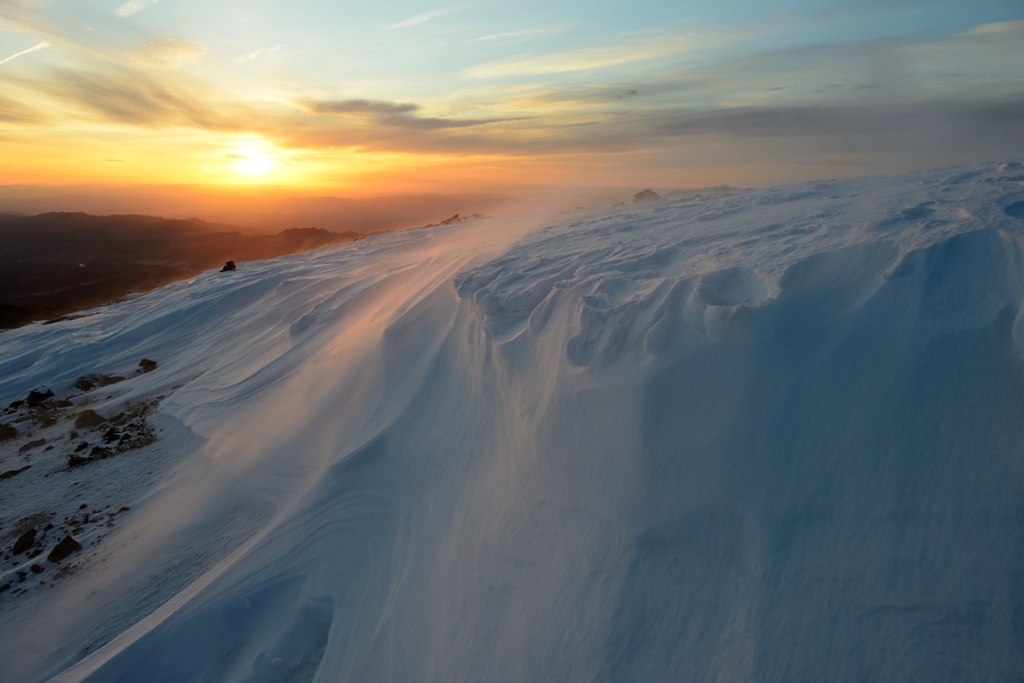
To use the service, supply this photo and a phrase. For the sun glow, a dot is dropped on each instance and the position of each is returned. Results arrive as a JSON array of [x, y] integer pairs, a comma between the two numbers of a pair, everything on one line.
[[254, 162]]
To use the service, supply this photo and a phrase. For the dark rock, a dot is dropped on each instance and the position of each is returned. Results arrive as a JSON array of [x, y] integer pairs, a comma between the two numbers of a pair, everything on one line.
[[7, 432], [77, 461], [64, 549], [5, 587], [111, 435], [37, 569], [88, 418], [10, 473], [83, 506], [35, 553], [22, 575], [37, 397], [16, 404], [24, 542], [100, 452], [646, 197], [64, 403], [230, 265], [82, 446], [148, 365], [46, 421], [73, 435], [32, 444], [86, 383]]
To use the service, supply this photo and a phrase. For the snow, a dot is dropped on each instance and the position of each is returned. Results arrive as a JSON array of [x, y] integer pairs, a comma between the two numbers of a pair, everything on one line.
[[766, 435]]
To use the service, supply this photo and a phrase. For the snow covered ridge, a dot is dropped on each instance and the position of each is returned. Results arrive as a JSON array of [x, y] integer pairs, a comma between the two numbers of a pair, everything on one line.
[[769, 435]]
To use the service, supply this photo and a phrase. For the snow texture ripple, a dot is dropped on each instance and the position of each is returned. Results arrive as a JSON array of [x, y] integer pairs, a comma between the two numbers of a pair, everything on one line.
[[769, 435]]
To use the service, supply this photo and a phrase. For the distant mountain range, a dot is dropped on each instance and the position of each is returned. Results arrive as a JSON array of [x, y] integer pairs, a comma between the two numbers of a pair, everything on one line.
[[54, 264]]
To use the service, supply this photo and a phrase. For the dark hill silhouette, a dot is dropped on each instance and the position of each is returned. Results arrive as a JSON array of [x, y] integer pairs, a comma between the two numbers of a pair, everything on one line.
[[56, 263]]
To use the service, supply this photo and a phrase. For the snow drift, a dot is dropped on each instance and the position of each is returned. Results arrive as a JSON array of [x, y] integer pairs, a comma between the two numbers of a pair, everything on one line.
[[771, 435]]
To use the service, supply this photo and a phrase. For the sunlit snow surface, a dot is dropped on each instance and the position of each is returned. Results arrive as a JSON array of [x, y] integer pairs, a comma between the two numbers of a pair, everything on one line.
[[772, 435]]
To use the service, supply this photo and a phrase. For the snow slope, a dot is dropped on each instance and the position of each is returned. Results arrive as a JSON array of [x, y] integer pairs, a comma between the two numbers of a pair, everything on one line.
[[771, 435]]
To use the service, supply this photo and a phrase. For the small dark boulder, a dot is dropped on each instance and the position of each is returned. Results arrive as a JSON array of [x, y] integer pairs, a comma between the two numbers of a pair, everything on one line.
[[24, 542], [16, 404], [5, 587], [88, 418], [32, 444], [7, 432], [37, 397], [230, 265], [37, 569], [65, 403], [148, 365], [77, 461], [646, 197], [11, 473], [64, 549]]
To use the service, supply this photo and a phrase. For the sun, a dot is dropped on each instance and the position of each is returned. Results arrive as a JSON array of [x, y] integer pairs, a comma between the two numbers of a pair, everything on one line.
[[254, 162]]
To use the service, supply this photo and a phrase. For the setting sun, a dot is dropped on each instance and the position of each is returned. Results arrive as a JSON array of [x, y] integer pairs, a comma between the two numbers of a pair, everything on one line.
[[254, 163]]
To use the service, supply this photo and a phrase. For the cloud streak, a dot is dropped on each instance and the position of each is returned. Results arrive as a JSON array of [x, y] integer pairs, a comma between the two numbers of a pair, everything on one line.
[[418, 19], [132, 7], [584, 59], [40, 46], [169, 52]]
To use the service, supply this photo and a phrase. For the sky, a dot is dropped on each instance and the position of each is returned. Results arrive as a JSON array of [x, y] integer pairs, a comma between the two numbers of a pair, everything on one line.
[[372, 97]]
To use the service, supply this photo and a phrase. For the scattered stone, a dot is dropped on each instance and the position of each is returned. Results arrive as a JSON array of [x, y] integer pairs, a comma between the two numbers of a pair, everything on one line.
[[37, 569], [646, 197], [7, 432], [24, 542], [111, 435], [16, 404], [148, 365], [32, 444], [46, 421], [230, 265], [88, 418], [77, 461], [82, 446], [22, 575], [65, 403], [10, 473], [37, 397], [90, 382], [64, 549]]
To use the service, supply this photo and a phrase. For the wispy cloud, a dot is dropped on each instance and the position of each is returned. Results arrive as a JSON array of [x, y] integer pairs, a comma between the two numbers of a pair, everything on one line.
[[418, 19], [391, 114], [512, 35], [997, 28], [40, 46], [132, 6], [354, 107], [583, 59], [169, 52], [267, 51]]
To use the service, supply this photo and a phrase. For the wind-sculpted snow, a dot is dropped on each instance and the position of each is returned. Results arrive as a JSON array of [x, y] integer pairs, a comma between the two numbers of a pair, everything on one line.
[[766, 435]]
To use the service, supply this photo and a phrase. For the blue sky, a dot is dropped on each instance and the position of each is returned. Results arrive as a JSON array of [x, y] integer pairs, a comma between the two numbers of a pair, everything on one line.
[[565, 92]]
